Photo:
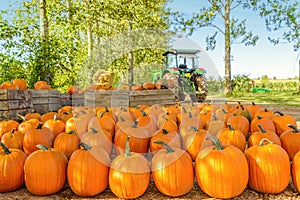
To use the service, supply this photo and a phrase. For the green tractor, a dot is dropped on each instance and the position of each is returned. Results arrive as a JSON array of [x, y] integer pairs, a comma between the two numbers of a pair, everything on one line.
[[182, 69]]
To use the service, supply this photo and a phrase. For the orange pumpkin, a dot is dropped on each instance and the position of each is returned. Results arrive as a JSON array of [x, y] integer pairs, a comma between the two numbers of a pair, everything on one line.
[[37, 167], [194, 141], [88, 170], [256, 137], [290, 141], [13, 139], [7, 125], [40, 135], [8, 85], [21, 83], [253, 109], [132, 167], [263, 157], [218, 173], [296, 171], [67, 143], [34, 115], [149, 86], [172, 171], [11, 168], [137, 87], [55, 125], [233, 137], [41, 85], [139, 139], [241, 123], [281, 122], [266, 122]]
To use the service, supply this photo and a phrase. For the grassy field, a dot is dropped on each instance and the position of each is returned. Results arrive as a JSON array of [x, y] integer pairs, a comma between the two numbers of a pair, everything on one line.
[[287, 98]]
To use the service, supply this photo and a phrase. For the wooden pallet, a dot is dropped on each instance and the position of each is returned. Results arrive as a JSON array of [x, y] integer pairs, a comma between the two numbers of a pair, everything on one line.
[[77, 99], [110, 98], [152, 97], [14, 102], [46, 100]]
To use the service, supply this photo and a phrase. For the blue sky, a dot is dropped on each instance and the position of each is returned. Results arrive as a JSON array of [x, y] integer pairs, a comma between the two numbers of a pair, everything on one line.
[[279, 61]]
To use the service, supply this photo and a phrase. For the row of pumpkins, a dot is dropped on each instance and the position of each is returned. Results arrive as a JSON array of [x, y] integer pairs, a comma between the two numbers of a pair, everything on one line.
[[226, 147], [21, 84]]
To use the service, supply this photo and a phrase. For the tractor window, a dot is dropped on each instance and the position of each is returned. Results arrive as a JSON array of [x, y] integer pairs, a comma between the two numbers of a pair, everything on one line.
[[191, 62], [171, 59]]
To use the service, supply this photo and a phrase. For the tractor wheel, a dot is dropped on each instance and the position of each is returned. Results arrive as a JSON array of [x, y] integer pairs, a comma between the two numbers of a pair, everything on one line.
[[172, 79], [202, 85]]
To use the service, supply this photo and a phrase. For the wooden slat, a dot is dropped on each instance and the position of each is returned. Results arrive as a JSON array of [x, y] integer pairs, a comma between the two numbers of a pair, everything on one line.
[[6, 94], [44, 108], [12, 114], [45, 93], [15, 104]]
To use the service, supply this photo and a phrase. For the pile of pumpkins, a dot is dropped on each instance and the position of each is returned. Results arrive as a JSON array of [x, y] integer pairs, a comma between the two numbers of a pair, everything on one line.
[[226, 147], [21, 84]]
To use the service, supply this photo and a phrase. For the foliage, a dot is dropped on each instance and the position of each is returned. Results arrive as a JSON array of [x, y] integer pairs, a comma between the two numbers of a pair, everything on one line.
[[71, 58], [241, 83]]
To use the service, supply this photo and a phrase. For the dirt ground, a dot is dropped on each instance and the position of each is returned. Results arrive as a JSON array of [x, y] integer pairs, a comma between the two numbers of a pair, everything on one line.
[[152, 193]]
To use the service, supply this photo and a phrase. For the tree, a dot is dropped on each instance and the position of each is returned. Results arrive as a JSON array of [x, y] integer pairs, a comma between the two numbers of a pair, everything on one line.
[[234, 30]]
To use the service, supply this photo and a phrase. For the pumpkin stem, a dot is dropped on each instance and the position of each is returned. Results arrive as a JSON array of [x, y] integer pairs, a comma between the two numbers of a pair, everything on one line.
[[165, 131], [295, 129], [143, 113], [106, 109], [135, 123], [190, 115], [55, 117], [40, 125], [94, 131], [101, 114], [216, 141], [6, 150], [230, 127], [223, 110], [259, 117], [184, 109], [169, 149], [85, 146], [127, 147], [261, 143], [42, 147], [279, 112], [194, 128], [261, 128], [253, 103], [122, 119], [71, 132], [12, 131], [214, 117], [22, 117]]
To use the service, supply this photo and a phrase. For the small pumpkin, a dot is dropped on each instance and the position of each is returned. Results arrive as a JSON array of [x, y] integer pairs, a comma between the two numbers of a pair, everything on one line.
[[88, 170], [67, 142], [233, 137], [290, 141], [137, 87], [266, 122], [281, 122], [241, 123], [55, 125], [13, 139], [40, 135], [7, 125], [11, 168], [263, 157], [129, 174], [172, 171], [149, 86], [256, 137], [21, 83], [41, 85], [37, 167]]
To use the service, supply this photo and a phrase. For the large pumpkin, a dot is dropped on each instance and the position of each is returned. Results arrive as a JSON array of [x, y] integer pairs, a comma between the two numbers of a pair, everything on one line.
[[172, 171], [221, 172], [257, 136], [266, 122], [261, 159], [88, 170], [282, 121], [129, 174], [45, 171], [241, 123], [11, 169]]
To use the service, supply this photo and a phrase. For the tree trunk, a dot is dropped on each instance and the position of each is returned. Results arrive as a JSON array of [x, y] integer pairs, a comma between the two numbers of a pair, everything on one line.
[[228, 88], [90, 40], [130, 57], [45, 72]]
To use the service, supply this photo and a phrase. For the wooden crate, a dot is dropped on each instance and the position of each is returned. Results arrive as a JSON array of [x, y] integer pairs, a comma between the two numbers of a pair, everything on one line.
[[65, 99], [77, 99], [110, 98], [14, 102], [46, 100], [151, 97]]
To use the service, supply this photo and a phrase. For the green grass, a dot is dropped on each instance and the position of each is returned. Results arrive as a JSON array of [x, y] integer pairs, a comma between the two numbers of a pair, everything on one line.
[[286, 98]]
